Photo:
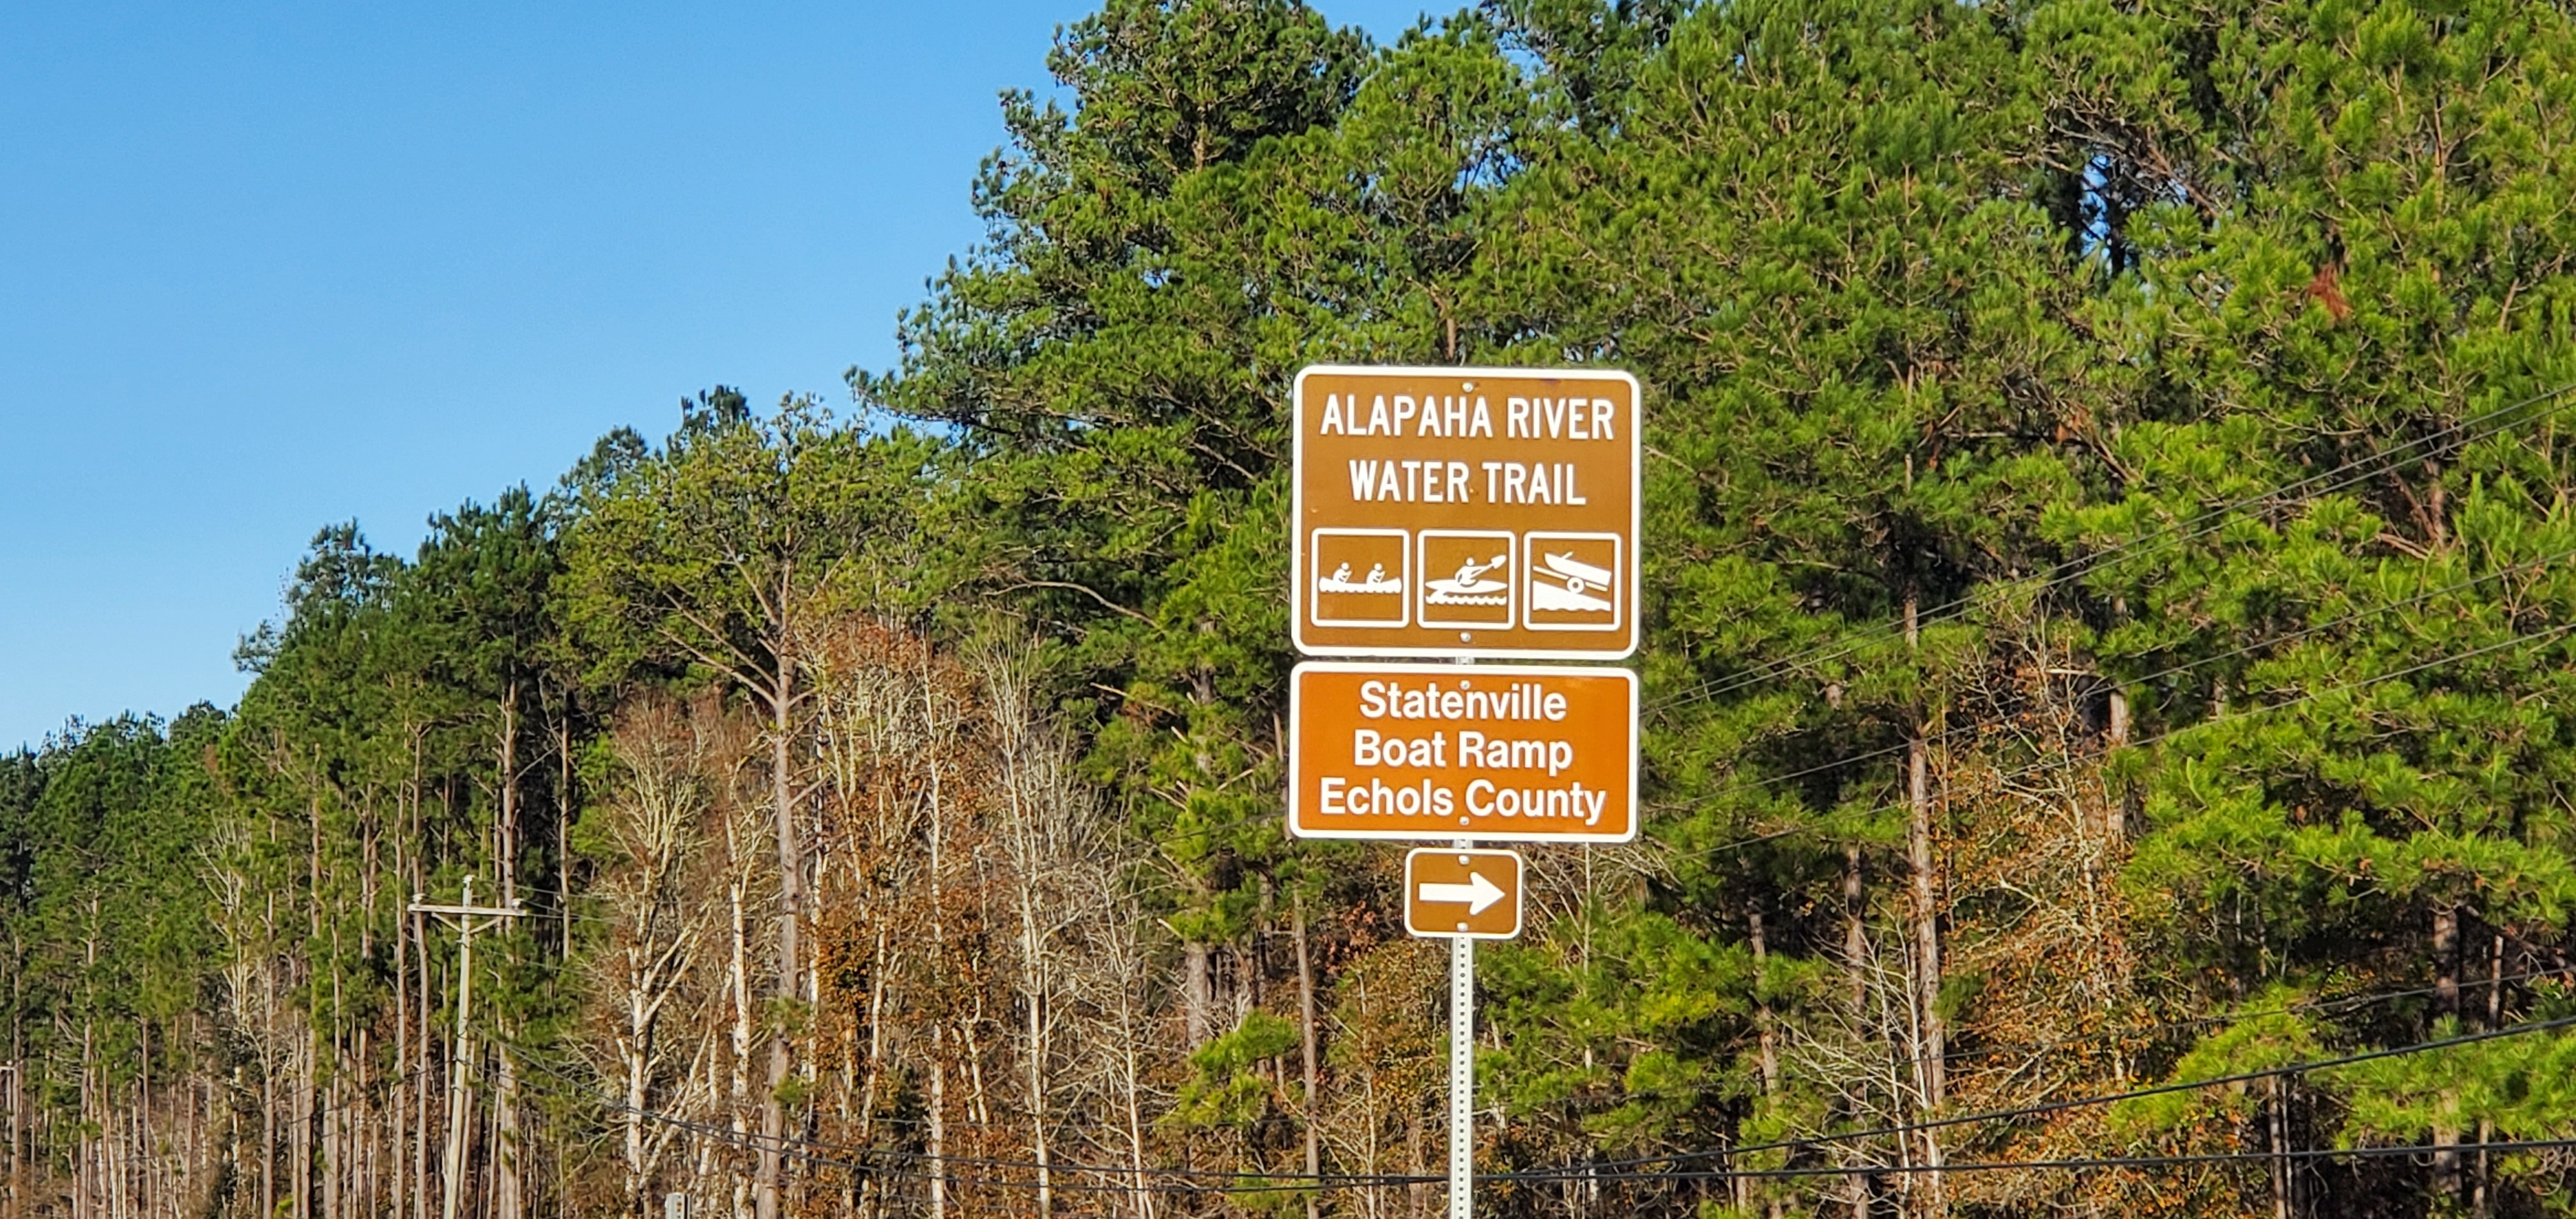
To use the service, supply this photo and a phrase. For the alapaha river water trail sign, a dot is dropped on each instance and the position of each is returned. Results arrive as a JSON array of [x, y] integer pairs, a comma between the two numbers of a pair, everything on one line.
[[1466, 512]]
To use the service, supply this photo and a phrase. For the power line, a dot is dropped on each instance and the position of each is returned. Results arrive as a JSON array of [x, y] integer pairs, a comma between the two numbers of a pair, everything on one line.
[[2338, 1002], [1618, 1169], [2076, 568], [1252, 1181], [2043, 1108], [2335, 1003], [2169, 671], [1295, 1181], [2081, 1163], [882, 1160], [2308, 488], [2297, 700]]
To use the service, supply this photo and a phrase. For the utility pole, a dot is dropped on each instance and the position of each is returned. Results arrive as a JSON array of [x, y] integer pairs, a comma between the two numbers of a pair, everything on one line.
[[467, 918]]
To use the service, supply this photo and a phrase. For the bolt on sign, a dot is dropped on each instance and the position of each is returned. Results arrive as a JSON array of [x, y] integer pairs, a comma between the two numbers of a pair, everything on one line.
[[1508, 753], [1466, 512], [1452, 894]]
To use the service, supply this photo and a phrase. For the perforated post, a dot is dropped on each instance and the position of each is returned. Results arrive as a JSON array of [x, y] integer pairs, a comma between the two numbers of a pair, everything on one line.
[[1462, 1074]]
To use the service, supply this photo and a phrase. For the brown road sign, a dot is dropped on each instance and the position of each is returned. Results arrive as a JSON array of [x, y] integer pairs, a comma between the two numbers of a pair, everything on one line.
[[1507, 753], [1461, 894], [1466, 512]]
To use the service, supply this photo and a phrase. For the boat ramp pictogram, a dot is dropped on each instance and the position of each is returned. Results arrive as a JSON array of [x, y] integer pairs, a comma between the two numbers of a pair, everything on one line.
[[1565, 584]]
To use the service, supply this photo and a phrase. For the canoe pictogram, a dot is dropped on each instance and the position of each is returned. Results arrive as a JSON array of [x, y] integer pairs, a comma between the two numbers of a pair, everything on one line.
[[1377, 581], [1566, 584], [1469, 586]]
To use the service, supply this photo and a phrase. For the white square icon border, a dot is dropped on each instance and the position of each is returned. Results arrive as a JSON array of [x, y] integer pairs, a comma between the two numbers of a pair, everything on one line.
[[1511, 587], [1617, 573], [1314, 569]]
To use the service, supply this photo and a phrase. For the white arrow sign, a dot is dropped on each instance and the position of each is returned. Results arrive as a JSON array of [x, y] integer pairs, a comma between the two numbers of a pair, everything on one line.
[[1478, 892]]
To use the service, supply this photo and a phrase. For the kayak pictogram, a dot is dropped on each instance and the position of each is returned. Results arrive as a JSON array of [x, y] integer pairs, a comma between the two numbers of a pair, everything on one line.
[[1469, 586], [1468, 578]]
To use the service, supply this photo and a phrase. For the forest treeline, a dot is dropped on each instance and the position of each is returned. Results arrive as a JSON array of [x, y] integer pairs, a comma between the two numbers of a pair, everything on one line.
[[2107, 541]]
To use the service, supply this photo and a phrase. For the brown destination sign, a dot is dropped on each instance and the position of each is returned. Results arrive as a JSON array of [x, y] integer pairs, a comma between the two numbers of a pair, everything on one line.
[[1464, 512], [1451, 893], [1508, 753]]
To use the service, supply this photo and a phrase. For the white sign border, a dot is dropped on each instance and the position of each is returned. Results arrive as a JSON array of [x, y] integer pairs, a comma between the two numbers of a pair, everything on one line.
[[1298, 596], [1297, 753]]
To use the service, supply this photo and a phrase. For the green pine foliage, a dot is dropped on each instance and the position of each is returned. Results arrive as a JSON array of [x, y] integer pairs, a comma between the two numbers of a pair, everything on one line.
[[2146, 422]]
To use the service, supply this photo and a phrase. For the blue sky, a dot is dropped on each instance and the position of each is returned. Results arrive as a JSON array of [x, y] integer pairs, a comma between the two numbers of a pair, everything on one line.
[[267, 267]]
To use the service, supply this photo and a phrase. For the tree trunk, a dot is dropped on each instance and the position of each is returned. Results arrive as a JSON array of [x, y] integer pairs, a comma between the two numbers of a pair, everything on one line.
[[791, 868], [1033, 952], [421, 1064], [1129, 1059], [334, 1162], [402, 1118], [638, 1057], [268, 1067], [17, 1086], [508, 1148], [2447, 1181], [1132, 1091], [738, 980], [1856, 980], [363, 1120], [2285, 1203], [2115, 804], [299, 1137], [878, 989], [144, 1158], [1198, 995], [939, 961], [1931, 1058], [1767, 1036], [507, 1153], [2482, 1194], [86, 1155], [563, 823], [1306, 1050], [369, 1113]]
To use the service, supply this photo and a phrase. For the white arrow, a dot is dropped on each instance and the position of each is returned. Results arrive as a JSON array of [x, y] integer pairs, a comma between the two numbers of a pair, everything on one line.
[[1478, 892]]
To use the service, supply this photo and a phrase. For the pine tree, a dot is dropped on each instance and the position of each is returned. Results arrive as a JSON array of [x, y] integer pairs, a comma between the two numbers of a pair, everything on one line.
[[724, 554]]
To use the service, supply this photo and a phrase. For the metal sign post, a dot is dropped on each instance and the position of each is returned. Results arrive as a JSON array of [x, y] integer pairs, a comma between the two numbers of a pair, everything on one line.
[[1440, 905], [1462, 1076]]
